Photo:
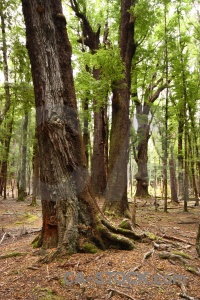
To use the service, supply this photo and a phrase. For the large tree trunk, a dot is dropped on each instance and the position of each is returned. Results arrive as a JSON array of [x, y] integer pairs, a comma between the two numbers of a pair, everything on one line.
[[99, 156], [141, 155], [99, 163], [116, 192], [86, 133], [70, 214]]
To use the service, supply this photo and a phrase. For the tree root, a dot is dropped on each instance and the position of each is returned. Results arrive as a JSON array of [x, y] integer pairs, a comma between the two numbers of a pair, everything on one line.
[[125, 232]]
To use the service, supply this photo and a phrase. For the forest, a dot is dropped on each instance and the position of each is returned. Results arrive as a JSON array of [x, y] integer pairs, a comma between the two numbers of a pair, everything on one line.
[[99, 149]]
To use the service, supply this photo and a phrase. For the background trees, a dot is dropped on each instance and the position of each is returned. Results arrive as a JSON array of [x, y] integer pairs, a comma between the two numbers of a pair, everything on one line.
[[164, 65]]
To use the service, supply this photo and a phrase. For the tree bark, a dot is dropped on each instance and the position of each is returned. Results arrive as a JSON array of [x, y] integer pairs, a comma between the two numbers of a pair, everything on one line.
[[70, 214], [99, 163], [116, 200], [142, 151], [151, 94], [36, 173]]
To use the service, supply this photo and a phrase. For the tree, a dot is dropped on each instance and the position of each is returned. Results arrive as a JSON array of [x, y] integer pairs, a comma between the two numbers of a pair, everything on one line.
[[70, 214], [91, 39], [116, 200]]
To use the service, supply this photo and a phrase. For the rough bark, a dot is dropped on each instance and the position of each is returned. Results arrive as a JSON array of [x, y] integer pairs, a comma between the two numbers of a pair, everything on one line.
[[36, 173], [86, 134], [99, 164], [70, 214], [142, 152], [143, 132], [116, 192]]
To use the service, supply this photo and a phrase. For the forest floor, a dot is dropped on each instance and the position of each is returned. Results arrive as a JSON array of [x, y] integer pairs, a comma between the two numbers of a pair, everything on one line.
[[172, 235]]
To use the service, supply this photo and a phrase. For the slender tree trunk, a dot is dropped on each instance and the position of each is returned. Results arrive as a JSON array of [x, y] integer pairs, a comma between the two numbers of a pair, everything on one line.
[[173, 181], [22, 176], [71, 216], [165, 144], [180, 157], [5, 64], [193, 171]]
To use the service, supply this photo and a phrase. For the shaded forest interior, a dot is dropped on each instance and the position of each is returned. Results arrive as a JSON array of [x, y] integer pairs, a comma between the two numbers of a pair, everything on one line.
[[100, 118]]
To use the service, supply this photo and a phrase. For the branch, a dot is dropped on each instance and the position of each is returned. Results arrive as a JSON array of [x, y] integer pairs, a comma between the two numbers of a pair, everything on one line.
[[89, 36], [158, 91]]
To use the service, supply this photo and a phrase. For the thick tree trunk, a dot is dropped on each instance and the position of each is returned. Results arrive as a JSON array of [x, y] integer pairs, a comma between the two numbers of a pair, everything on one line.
[[70, 214], [86, 133], [99, 156], [116, 200], [141, 155], [99, 163]]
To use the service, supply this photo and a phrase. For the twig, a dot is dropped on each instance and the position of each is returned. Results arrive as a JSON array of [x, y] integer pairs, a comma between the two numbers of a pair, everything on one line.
[[120, 293], [3, 238], [183, 294], [146, 256]]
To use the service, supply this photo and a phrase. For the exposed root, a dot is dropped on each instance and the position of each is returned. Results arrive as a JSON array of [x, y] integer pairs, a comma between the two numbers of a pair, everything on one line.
[[114, 239], [125, 232]]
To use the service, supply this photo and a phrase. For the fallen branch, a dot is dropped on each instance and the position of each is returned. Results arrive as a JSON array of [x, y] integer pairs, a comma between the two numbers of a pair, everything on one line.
[[186, 297], [173, 238], [121, 293]]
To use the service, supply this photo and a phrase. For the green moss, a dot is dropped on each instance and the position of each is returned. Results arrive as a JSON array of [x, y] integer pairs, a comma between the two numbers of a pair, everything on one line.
[[182, 254], [151, 235], [89, 248], [190, 269], [125, 224], [13, 254], [27, 218], [37, 242]]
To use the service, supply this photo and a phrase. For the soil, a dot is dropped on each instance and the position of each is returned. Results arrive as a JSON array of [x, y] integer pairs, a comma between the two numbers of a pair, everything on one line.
[[24, 276]]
